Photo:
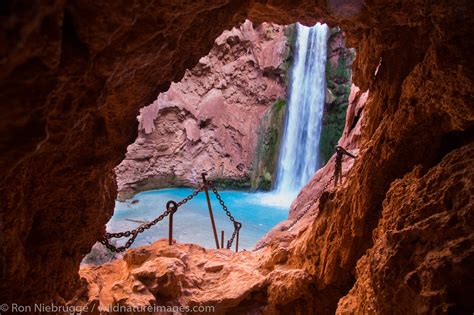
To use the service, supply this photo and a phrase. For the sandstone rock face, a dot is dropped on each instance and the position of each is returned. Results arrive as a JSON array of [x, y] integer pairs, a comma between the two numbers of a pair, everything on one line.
[[208, 121], [407, 123], [426, 223], [189, 275], [74, 75]]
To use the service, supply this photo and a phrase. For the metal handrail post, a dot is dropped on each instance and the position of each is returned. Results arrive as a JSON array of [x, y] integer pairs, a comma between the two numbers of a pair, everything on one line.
[[210, 210], [237, 241], [222, 239], [171, 207], [170, 233]]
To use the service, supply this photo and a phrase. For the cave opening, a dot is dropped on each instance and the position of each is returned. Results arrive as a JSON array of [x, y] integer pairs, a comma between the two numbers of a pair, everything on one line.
[[73, 76], [259, 115]]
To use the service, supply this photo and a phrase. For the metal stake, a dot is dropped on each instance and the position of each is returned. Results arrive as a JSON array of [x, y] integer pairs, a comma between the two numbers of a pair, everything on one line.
[[237, 241], [222, 239], [210, 210], [171, 205], [170, 235]]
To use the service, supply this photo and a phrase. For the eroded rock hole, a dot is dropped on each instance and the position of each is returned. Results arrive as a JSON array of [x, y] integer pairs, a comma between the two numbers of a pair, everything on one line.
[[260, 114], [399, 225]]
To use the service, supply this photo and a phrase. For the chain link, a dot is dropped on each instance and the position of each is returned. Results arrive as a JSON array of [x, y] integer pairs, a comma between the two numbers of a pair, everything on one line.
[[140, 229], [237, 225]]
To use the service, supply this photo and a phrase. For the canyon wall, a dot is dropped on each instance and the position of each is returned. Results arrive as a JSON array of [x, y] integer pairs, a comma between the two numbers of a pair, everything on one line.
[[74, 74], [209, 121]]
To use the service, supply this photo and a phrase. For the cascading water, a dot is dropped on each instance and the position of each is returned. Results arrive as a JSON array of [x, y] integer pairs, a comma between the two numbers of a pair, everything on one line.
[[299, 151]]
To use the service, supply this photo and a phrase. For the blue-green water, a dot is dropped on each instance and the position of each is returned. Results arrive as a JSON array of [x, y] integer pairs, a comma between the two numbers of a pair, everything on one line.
[[257, 212]]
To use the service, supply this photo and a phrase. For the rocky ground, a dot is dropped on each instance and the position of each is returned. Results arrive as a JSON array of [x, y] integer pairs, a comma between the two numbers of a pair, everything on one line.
[[186, 274], [209, 121]]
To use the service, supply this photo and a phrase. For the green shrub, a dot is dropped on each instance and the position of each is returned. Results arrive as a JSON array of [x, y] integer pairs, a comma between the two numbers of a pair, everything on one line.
[[267, 146]]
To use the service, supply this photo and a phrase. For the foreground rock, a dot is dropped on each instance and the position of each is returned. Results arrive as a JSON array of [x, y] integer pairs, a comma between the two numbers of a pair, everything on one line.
[[208, 121], [191, 276], [268, 280]]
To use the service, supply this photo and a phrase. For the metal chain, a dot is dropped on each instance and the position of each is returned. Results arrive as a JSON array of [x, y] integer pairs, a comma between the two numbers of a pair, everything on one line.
[[337, 175], [340, 152], [134, 233], [237, 225], [309, 206], [191, 196]]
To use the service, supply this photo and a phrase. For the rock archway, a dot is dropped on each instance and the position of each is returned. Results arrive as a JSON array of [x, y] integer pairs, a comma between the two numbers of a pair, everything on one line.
[[74, 74]]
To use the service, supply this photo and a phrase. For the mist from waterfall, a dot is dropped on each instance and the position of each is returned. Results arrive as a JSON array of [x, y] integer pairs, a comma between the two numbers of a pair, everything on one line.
[[299, 150]]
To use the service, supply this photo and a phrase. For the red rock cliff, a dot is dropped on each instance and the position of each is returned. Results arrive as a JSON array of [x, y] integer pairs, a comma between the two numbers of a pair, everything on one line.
[[208, 121]]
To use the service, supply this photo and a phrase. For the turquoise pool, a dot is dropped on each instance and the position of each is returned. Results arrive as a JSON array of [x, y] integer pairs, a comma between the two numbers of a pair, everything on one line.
[[256, 211]]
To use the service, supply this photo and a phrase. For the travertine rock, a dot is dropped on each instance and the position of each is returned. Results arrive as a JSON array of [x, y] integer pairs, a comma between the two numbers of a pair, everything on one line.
[[74, 74], [424, 244], [189, 275]]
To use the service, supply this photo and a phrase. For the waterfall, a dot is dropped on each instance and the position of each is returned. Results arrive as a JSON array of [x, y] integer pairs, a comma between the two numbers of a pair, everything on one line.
[[299, 151]]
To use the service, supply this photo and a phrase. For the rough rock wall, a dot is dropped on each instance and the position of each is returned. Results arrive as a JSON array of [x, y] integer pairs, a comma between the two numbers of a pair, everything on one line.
[[73, 76], [208, 121], [420, 108], [426, 223], [75, 73]]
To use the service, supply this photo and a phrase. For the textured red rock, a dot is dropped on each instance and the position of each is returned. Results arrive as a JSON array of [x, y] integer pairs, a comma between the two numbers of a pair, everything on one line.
[[74, 74], [424, 237], [176, 275], [190, 275]]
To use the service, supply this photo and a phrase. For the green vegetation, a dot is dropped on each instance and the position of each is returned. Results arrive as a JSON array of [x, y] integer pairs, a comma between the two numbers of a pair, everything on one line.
[[338, 82], [333, 126], [278, 105], [343, 73], [267, 146], [290, 33], [239, 183]]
